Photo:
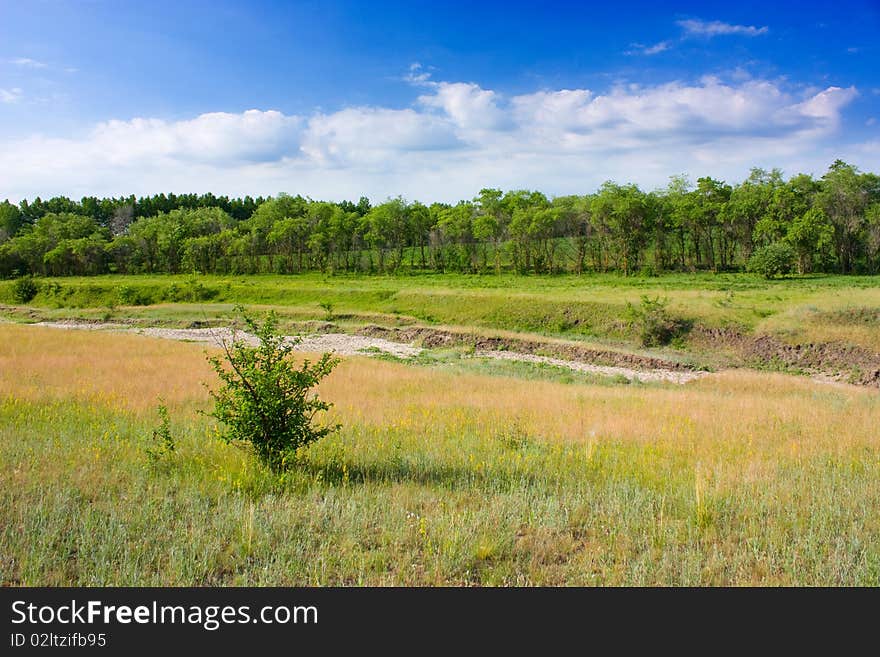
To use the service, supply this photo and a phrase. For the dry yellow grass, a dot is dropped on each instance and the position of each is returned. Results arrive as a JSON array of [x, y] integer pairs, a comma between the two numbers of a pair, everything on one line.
[[129, 371], [732, 413]]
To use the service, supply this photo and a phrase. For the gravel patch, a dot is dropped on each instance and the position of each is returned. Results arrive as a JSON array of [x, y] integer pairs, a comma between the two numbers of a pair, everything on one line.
[[606, 370], [352, 345], [339, 343]]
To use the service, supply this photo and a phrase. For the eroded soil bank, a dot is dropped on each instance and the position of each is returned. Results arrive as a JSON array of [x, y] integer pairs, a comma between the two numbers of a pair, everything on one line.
[[827, 361], [835, 360]]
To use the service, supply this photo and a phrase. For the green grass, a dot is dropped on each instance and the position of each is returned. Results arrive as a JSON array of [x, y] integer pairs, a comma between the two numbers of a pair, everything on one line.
[[592, 306], [390, 507]]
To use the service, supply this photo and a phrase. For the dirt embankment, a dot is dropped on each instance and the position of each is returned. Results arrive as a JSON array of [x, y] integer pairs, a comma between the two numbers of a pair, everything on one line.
[[430, 338], [836, 360], [828, 361]]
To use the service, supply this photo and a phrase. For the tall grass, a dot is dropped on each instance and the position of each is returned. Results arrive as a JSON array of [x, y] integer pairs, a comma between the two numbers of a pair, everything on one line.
[[437, 478]]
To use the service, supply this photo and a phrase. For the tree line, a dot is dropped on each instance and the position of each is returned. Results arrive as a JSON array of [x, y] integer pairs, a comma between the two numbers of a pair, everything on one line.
[[829, 224]]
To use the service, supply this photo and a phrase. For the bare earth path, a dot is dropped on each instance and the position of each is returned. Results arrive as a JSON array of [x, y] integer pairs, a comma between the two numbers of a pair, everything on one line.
[[345, 344]]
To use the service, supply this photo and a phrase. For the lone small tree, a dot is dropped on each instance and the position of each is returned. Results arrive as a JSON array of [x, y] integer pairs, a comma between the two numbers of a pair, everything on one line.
[[264, 400], [776, 259]]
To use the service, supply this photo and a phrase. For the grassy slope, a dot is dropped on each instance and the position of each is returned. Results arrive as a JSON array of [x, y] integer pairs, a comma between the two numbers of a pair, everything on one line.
[[805, 309], [438, 477]]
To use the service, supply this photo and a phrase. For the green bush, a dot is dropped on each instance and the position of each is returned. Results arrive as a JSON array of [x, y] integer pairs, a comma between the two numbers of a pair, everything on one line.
[[163, 441], [655, 325], [328, 309], [773, 260], [24, 289], [132, 296], [264, 401], [193, 290]]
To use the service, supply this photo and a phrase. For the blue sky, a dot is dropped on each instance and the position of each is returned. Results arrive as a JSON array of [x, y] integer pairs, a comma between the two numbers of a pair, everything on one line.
[[426, 99]]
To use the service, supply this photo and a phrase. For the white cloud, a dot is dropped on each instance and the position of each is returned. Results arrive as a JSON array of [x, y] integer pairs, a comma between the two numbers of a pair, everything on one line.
[[373, 136], [10, 95], [416, 74], [219, 137], [468, 106], [641, 49], [697, 27], [456, 138], [27, 62]]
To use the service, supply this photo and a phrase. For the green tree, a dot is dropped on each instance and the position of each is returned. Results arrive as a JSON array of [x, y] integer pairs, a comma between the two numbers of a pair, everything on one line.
[[624, 214], [809, 233], [457, 226], [11, 220], [491, 221], [574, 215], [872, 216], [264, 401], [711, 197], [278, 227], [680, 206], [386, 229], [844, 198], [422, 221]]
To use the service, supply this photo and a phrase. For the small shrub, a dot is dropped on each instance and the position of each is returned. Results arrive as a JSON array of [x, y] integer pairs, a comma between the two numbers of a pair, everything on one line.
[[328, 308], [264, 401], [196, 291], [193, 290], [131, 296], [773, 260], [163, 441], [127, 295], [24, 289], [172, 292], [655, 325]]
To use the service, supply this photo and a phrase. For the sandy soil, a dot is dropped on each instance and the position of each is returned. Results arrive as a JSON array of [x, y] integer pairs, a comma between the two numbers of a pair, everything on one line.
[[607, 370], [340, 343]]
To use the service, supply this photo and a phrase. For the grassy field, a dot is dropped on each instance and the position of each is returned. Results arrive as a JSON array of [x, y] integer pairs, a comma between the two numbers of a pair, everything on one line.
[[802, 309], [441, 475]]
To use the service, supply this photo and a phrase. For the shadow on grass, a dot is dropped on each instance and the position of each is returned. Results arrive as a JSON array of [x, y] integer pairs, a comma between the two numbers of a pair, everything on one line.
[[401, 471]]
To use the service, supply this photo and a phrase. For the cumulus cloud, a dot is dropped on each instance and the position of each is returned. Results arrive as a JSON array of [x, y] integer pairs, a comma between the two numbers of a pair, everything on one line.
[[455, 138], [218, 137], [697, 27], [467, 106], [373, 136]]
